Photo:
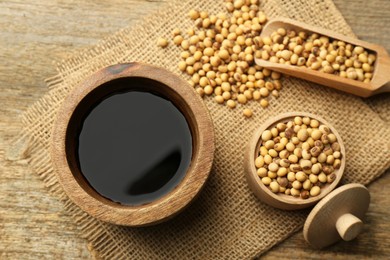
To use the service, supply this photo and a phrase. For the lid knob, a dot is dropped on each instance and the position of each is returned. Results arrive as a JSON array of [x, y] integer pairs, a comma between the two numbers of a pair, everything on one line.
[[349, 226]]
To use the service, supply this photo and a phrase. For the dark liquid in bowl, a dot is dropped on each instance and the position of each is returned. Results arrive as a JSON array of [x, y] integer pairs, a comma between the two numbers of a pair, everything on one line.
[[134, 147]]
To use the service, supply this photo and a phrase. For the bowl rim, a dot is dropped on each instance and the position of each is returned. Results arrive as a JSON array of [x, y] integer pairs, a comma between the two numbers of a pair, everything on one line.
[[165, 207], [283, 201]]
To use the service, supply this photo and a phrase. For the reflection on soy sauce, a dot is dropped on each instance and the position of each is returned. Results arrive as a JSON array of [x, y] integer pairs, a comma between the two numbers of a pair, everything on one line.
[[158, 176]]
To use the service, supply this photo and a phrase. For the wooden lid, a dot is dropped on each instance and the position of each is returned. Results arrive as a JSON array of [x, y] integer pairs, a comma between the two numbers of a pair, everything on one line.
[[161, 82], [338, 216]]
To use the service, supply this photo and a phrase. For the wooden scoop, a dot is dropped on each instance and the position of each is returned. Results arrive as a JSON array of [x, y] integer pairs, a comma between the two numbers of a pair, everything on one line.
[[381, 75]]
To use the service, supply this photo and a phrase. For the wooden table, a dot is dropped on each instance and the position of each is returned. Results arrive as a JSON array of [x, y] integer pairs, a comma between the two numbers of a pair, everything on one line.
[[33, 35]]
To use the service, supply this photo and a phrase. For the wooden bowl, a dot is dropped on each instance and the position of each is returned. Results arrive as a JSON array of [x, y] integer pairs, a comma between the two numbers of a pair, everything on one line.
[[84, 96], [280, 200]]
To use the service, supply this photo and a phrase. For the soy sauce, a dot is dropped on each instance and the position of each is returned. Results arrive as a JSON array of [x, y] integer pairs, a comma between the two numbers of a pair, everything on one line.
[[134, 147]]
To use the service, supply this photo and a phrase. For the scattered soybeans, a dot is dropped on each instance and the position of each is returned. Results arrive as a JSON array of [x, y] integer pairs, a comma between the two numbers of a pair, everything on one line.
[[162, 42], [248, 112], [219, 52]]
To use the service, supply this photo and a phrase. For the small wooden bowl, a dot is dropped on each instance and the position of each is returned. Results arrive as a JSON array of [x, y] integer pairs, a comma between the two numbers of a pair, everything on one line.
[[280, 200], [139, 77]]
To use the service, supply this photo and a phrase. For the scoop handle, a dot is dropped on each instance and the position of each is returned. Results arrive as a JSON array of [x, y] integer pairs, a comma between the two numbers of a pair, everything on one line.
[[381, 78]]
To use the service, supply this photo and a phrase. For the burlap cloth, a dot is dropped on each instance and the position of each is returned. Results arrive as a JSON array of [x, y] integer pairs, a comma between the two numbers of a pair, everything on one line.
[[226, 221]]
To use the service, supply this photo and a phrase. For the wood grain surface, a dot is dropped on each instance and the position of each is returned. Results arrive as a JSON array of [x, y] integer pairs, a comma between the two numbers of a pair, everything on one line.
[[35, 34]]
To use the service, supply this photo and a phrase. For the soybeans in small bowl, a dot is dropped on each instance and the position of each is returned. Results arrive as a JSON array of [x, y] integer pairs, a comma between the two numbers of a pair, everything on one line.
[[293, 160]]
